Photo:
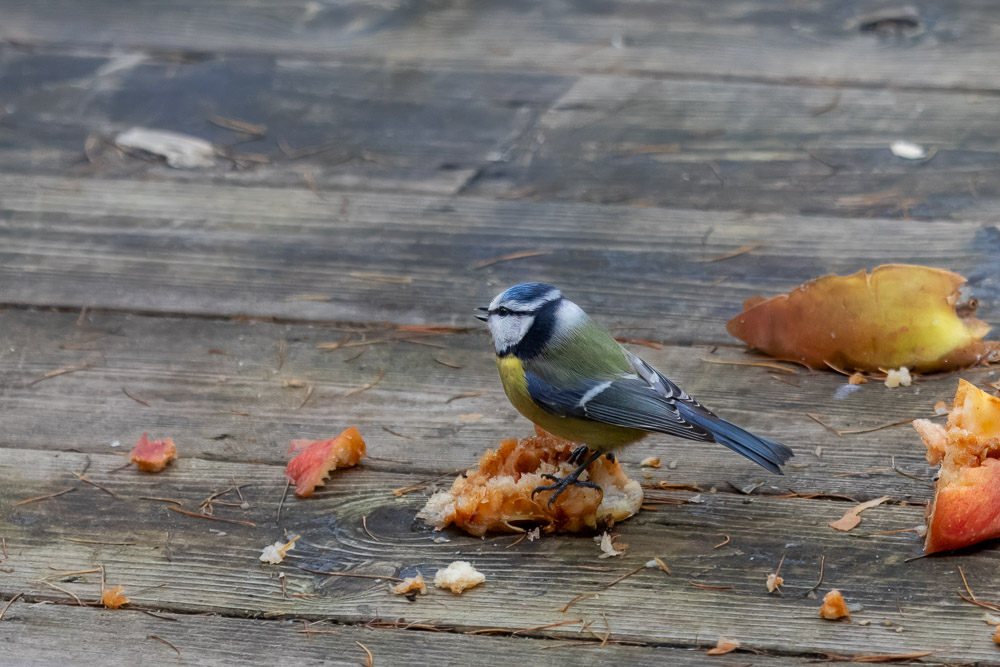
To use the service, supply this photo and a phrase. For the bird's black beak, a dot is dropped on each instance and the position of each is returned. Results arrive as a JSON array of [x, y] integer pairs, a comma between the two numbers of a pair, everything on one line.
[[482, 317]]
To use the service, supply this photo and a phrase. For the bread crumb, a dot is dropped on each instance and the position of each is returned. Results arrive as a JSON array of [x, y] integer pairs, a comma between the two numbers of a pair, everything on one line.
[[774, 582], [650, 462], [409, 585], [898, 377], [275, 553], [458, 576], [608, 547], [834, 606], [857, 378]]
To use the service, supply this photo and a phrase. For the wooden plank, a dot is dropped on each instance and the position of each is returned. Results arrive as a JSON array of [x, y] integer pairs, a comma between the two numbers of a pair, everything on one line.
[[228, 250], [757, 148], [217, 389], [42, 634], [674, 143], [921, 45], [322, 126], [179, 564]]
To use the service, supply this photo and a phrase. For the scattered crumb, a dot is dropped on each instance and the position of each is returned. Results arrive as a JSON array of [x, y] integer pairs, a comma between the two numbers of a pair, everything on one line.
[[896, 377], [867, 621], [607, 546], [534, 534], [650, 462], [112, 598], [411, 584], [834, 606], [992, 619], [672, 465], [458, 576], [275, 553], [940, 408], [907, 150], [441, 539], [724, 646], [774, 582], [819, 451], [116, 443], [857, 378], [471, 417], [153, 456]]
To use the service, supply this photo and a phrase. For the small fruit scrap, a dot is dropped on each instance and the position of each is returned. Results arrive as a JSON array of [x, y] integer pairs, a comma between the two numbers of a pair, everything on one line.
[[966, 506], [275, 553], [897, 315], [607, 546], [113, 598], [153, 456], [834, 606], [852, 517], [458, 576], [319, 458], [497, 496], [410, 584], [724, 646]]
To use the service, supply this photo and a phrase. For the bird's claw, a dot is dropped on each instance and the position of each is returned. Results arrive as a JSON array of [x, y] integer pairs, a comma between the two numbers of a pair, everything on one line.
[[560, 485], [577, 455]]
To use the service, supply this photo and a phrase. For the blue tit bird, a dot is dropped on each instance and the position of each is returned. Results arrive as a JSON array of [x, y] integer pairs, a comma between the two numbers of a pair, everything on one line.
[[571, 377]]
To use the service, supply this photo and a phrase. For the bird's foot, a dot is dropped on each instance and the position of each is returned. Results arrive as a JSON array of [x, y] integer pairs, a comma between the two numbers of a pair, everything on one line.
[[560, 484], [577, 455]]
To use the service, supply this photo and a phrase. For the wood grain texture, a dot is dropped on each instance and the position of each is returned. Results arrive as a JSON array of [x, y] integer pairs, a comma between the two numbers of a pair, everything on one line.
[[754, 147], [215, 387], [228, 250], [184, 564], [323, 126], [39, 635], [921, 44], [604, 139]]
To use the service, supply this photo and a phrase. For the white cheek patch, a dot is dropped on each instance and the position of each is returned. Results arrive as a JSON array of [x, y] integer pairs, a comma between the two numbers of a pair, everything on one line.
[[508, 331]]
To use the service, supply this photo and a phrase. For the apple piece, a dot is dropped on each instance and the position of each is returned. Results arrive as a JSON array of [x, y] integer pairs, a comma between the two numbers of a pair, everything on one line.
[[318, 458], [153, 456], [898, 315], [966, 506]]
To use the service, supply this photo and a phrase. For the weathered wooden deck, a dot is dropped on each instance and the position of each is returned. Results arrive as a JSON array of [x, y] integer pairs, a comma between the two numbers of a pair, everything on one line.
[[406, 145]]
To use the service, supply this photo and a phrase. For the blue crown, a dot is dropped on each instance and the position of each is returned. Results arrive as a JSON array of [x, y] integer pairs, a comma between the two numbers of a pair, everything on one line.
[[527, 292]]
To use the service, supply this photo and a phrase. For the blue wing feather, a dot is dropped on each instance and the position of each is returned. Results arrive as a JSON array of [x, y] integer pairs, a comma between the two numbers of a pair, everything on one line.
[[650, 402]]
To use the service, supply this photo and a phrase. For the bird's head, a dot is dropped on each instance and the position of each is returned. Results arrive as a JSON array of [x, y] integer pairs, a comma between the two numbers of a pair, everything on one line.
[[524, 317]]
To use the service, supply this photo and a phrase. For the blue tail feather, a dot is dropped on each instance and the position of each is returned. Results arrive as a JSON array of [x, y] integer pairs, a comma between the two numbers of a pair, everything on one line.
[[766, 453]]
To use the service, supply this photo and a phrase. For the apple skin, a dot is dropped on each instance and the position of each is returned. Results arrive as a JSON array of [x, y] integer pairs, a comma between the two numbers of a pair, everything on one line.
[[319, 457], [966, 508]]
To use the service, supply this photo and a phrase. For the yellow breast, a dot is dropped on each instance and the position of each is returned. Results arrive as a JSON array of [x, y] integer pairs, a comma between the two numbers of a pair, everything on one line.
[[595, 435]]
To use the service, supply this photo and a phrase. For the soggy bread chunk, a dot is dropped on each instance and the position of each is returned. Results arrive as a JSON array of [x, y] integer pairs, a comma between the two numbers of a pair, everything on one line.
[[497, 496]]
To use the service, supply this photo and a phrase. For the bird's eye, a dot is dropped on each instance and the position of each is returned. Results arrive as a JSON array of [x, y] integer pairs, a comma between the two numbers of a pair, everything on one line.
[[502, 311]]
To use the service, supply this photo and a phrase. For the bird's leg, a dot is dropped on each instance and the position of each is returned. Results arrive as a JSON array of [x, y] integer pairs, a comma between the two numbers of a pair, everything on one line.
[[578, 454], [560, 484]]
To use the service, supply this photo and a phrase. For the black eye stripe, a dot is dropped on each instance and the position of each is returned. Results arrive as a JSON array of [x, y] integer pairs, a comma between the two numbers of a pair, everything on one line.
[[503, 311]]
